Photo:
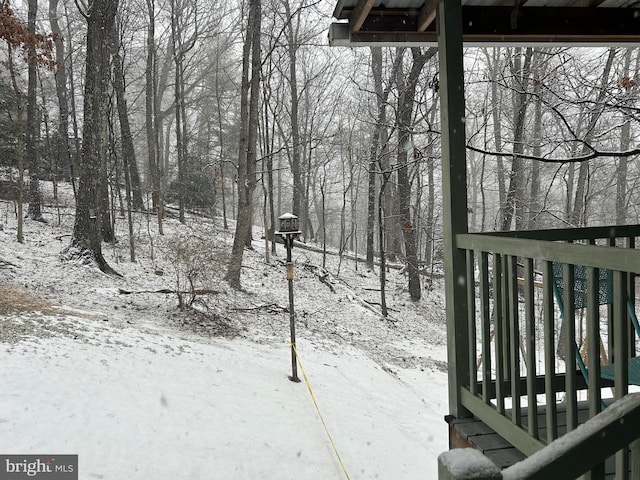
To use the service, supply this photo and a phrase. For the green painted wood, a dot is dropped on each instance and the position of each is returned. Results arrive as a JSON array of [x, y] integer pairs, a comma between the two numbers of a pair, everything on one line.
[[631, 243], [610, 326], [557, 382], [503, 454], [623, 259], [593, 346], [549, 349], [620, 345], [570, 344], [486, 323], [498, 325], [517, 436], [633, 371], [573, 234], [634, 459], [471, 317], [506, 323], [621, 353], [530, 345], [610, 432], [514, 340], [454, 198]]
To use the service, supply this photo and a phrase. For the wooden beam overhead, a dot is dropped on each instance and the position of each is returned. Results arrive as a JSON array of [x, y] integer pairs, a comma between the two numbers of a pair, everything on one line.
[[497, 24], [586, 3], [427, 15], [556, 21], [360, 14]]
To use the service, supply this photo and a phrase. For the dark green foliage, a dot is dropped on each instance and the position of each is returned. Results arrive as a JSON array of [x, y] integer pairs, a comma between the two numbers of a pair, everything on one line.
[[196, 188], [8, 125]]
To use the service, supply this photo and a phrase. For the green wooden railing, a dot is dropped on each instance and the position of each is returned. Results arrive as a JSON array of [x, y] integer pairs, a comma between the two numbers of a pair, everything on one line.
[[577, 453], [514, 381]]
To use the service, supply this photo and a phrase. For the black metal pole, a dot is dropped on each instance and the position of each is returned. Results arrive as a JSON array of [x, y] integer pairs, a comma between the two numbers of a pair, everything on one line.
[[292, 316]]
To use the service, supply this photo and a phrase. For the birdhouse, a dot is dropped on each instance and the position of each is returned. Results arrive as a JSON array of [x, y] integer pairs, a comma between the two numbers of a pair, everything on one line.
[[289, 224]]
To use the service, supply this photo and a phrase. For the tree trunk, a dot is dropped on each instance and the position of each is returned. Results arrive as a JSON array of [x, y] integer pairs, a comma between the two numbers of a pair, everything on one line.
[[254, 117], [63, 154], [128, 151], [20, 148], [246, 150], [514, 204], [177, 98], [86, 239], [76, 154], [534, 200], [378, 143], [388, 195], [152, 116], [431, 202], [376, 71], [625, 142], [296, 162], [382, 215], [222, 149], [33, 124], [578, 217], [406, 100], [494, 65]]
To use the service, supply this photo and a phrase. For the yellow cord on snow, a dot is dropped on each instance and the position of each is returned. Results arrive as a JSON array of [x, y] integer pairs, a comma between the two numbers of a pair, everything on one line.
[[306, 380]]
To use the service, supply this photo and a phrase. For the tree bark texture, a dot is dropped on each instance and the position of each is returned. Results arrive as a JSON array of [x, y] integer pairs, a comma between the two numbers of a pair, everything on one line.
[[246, 173], [514, 203], [33, 123], [296, 157], [406, 100], [87, 234], [63, 153], [125, 128], [152, 117], [578, 216]]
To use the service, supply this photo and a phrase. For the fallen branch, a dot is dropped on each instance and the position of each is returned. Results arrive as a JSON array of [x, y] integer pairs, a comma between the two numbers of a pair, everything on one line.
[[199, 291], [271, 307], [325, 277], [322, 274], [6, 263]]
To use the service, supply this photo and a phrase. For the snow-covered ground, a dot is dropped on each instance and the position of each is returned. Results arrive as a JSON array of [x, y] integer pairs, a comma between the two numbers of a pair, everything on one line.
[[140, 389]]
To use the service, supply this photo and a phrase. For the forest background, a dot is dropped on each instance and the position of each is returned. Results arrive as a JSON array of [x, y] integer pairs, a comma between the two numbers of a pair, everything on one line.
[[241, 111]]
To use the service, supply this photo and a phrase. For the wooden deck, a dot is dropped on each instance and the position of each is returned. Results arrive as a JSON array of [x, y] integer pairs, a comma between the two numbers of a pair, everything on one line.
[[473, 433]]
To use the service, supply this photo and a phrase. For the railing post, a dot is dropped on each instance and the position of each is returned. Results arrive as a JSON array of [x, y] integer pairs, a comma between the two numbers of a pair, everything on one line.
[[454, 198]]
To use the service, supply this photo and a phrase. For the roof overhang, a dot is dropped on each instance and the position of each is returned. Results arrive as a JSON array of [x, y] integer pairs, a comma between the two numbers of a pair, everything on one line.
[[491, 22]]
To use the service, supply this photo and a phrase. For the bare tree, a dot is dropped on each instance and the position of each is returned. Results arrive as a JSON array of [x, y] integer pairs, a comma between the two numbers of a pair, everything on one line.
[[63, 153], [406, 100], [248, 140], [629, 86], [378, 140], [514, 203], [128, 151], [578, 214], [33, 124], [152, 116], [86, 241]]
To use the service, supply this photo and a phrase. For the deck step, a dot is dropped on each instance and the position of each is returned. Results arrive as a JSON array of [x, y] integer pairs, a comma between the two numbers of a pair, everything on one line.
[[474, 433]]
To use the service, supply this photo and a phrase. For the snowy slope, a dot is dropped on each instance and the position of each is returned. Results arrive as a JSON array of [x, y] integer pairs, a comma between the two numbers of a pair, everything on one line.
[[141, 390]]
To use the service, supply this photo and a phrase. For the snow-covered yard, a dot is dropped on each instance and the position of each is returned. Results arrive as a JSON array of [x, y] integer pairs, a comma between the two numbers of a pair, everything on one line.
[[141, 390]]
